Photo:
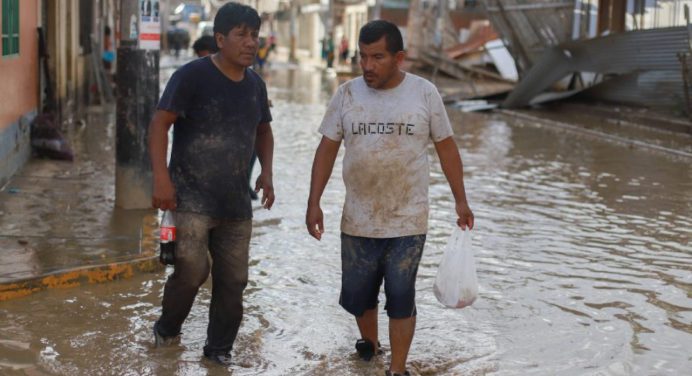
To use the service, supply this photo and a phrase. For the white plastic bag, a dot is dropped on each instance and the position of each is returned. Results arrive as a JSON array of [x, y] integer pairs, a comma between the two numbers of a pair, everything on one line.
[[456, 284]]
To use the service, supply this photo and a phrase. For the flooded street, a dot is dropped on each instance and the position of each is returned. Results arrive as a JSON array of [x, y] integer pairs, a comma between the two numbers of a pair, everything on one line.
[[582, 248]]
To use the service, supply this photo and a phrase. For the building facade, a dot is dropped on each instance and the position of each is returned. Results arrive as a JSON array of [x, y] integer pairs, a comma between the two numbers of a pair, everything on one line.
[[19, 97], [49, 63]]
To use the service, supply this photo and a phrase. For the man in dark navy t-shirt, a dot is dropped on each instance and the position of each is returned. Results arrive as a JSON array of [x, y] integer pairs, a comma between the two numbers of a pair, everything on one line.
[[221, 114]]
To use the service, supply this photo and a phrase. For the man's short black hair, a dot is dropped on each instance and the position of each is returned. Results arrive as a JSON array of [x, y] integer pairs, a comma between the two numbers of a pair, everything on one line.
[[231, 15], [205, 43], [372, 31]]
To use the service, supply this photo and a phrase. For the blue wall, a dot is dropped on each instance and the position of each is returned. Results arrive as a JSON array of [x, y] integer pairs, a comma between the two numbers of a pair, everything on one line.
[[15, 146]]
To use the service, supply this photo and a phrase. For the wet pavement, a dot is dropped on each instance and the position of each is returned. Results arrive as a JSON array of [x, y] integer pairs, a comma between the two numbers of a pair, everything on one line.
[[583, 253], [58, 224]]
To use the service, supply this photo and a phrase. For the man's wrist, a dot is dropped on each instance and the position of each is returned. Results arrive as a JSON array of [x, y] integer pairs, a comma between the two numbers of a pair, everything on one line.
[[461, 201]]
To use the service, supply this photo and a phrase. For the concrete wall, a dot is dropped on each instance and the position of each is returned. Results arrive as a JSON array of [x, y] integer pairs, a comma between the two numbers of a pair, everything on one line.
[[19, 94], [310, 33], [355, 16], [15, 147]]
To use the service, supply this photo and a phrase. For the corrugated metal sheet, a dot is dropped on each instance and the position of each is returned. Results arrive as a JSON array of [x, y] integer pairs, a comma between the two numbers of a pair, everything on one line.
[[650, 89], [530, 27], [653, 49], [652, 54]]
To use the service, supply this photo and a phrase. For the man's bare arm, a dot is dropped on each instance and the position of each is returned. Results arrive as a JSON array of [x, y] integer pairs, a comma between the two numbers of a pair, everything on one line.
[[322, 167], [264, 147], [454, 171], [163, 196]]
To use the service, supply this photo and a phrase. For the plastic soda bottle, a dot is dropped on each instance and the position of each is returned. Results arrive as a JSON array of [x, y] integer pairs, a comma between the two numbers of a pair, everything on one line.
[[167, 239]]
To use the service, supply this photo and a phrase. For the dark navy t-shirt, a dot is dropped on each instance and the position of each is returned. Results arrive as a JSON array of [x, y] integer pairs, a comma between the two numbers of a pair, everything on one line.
[[214, 137]]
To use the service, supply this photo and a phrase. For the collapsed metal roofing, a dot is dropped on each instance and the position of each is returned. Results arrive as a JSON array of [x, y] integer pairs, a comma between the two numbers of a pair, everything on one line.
[[638, 67], [644, 65]]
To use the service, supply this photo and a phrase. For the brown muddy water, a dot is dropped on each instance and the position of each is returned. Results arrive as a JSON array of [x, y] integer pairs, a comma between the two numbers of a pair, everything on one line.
[[582, 247]]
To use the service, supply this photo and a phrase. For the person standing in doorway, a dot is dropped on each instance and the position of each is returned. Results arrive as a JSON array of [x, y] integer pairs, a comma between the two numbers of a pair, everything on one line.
[[220, 112], [386, 119]]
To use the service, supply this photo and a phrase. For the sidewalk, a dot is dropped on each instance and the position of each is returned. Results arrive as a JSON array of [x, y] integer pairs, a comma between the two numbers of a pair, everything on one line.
[[631, 126], [58, 224]]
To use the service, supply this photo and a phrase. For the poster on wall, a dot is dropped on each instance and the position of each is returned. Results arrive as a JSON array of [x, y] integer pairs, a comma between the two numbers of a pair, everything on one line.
[[149, 25]]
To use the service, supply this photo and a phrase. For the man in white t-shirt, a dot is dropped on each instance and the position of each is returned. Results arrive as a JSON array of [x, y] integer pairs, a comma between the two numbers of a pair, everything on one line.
[[386, 119]]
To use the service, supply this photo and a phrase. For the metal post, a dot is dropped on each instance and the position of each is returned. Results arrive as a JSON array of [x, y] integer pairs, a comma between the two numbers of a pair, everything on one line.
[[138, 92], [683, 57], [689, 27], [293, 25], [684, 61], [438, 36], [415, 22]]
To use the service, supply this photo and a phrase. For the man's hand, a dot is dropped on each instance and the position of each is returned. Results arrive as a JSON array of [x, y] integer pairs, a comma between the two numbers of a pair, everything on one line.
[[465, 216], [314, 220], [163, 196], [266, 184]]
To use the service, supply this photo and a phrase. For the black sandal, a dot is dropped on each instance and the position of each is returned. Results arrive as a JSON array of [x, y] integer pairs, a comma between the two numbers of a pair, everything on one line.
[[389, 373], [366, 350]]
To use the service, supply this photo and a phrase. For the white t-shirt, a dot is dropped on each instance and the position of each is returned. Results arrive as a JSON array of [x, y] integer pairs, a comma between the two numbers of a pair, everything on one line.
[[386, 134]]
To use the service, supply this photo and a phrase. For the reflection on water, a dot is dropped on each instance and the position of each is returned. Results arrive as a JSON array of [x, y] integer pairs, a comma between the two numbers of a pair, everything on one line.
[[586, 247], [582, 248]]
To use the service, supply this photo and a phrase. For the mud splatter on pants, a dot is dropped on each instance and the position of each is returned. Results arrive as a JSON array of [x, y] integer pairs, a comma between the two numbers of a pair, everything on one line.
[[227, 242]]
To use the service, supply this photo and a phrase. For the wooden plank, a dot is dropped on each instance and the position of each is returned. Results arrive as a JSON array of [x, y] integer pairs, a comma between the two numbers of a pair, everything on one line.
[[457, 70], [532, 6]]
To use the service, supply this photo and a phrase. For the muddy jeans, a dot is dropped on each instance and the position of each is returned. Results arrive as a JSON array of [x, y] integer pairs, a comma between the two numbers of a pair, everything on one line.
[[228, 243]]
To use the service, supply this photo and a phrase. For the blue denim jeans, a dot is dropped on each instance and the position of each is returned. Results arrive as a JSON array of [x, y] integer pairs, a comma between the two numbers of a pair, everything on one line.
[[367, 262]]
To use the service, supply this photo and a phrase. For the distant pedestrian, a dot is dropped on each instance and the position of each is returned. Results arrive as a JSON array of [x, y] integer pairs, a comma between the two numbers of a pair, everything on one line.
[[178, 39], [220, 113], [343, 50], [272, 41], [386, 119], [262, 54], [107, 56], [204, 46], [328, 50]]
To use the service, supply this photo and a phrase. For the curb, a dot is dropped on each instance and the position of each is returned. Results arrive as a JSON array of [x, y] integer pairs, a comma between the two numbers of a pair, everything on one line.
[[595, 133], [96, 271], [79, 276]]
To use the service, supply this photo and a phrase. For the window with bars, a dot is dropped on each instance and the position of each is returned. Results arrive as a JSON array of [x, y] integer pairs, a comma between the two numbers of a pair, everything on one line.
[[10, 27]]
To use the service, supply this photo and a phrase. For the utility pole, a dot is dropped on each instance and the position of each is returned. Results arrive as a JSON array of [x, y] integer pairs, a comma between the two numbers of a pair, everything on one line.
[[293, 32], [415, 22], [137, 78], [438, 38]]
